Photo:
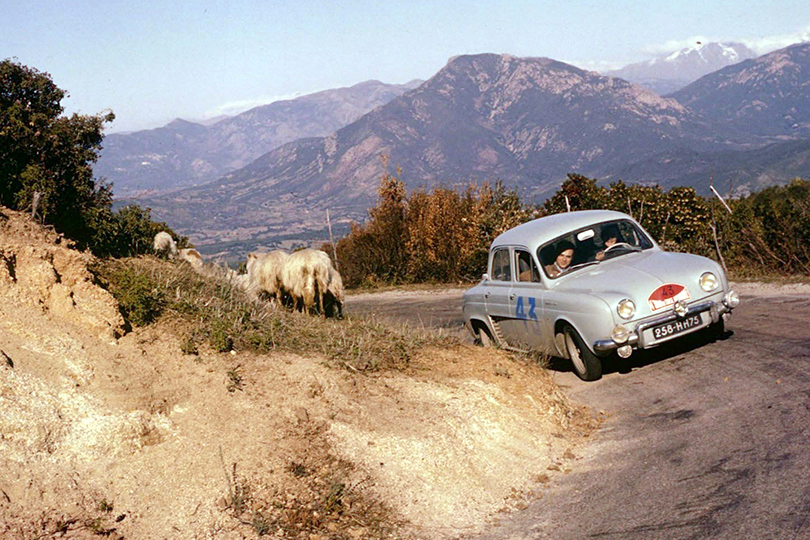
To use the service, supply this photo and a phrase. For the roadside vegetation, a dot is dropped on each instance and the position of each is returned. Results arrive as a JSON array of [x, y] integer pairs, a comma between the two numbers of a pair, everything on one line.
[[214, 313], [46, 167], [444, 236]]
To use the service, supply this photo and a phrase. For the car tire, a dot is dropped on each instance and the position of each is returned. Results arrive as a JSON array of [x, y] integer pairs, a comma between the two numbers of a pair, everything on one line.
[[716, 330], [587, 365]]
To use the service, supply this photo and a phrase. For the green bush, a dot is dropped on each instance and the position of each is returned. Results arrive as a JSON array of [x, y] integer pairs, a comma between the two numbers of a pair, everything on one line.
[[139, 297]]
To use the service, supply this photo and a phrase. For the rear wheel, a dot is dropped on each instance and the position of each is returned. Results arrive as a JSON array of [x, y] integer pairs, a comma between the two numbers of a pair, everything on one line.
[[587, 365]]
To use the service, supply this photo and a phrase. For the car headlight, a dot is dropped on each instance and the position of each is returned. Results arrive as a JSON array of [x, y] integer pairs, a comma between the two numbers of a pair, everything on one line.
[[708, 282], [626, 308], [620, 333], [732, 299]]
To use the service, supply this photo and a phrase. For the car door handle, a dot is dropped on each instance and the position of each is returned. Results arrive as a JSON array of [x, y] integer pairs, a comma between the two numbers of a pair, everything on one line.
[[486, 295], [512, 296]]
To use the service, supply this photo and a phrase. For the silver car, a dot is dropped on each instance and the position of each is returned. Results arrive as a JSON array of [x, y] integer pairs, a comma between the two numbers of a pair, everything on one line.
[[585, 285]]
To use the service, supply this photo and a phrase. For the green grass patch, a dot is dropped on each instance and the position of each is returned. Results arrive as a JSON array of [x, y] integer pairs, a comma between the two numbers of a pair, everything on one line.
[[219, 313]]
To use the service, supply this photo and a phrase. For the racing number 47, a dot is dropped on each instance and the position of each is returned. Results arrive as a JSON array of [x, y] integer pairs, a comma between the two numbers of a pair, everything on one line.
[[520, 311]]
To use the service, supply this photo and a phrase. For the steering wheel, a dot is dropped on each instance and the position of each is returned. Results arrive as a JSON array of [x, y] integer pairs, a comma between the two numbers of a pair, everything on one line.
[[617, 244]]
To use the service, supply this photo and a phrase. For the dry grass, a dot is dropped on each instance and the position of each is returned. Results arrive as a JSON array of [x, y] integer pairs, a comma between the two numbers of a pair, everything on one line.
[[219, 314]]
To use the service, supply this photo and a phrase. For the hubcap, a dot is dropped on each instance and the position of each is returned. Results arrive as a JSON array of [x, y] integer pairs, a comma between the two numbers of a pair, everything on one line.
[[573, 352]]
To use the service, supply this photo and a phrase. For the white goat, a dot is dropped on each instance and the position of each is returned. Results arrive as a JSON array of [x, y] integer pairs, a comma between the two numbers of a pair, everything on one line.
[[264, 273], [305, 274], [192, 257], [164, 245], [335, 295]]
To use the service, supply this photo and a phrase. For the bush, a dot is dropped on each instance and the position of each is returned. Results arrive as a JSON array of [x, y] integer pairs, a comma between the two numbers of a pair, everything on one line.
[[442, 235], [139, 297]]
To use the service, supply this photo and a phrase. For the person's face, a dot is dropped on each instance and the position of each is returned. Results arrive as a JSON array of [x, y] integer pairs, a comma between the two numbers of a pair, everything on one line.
[[564, 258], [610, 241]]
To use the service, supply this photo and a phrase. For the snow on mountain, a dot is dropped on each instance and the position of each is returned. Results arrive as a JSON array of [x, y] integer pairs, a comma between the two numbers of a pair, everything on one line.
[[670, 72]]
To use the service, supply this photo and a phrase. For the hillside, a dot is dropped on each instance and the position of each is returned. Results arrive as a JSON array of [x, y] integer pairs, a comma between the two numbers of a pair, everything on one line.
[[740, 172], [115, 432], [766, 96], [184, 153], [528, 121]]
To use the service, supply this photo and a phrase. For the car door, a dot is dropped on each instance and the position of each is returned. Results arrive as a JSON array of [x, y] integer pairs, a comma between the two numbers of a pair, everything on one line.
[[526, 299], [497, 293]]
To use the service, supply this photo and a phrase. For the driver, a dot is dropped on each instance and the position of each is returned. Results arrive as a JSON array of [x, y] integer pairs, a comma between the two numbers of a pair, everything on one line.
[[610, 235]]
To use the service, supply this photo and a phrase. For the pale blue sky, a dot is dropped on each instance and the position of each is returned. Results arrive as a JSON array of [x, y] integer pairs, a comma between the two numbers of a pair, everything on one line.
[[151, 61]]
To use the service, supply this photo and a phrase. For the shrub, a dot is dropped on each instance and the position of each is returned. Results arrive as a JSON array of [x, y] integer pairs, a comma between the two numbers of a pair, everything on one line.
[[139, 297]]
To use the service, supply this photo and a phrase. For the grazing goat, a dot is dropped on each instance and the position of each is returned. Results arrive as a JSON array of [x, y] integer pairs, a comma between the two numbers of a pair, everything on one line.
[[164, 245], [193, 257], [264, 273], [309, 273], [305, 274], [334, 296]]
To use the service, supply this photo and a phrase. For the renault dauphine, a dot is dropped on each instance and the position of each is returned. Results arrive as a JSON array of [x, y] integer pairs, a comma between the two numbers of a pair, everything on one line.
[[591, 284]]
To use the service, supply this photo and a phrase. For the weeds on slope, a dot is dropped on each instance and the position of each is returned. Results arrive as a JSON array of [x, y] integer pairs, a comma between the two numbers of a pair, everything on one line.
[[217, 312]]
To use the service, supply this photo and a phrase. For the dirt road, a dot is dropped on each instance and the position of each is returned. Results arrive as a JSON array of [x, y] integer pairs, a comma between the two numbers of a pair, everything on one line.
[[700, 441]]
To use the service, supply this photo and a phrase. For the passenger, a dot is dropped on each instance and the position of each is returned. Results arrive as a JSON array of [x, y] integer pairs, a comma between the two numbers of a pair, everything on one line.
[[565, 252]]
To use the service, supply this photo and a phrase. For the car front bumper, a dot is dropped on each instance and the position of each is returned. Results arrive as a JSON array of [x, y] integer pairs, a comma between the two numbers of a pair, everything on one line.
[[638, 339]]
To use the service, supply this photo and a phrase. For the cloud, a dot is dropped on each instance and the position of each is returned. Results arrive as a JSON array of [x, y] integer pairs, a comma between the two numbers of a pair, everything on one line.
[[761, 45], [232, 108], [676, 45], [599, 66], [771, 43]]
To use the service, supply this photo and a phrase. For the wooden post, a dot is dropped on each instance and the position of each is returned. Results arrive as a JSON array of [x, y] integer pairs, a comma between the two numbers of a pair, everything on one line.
[[711, 187], [34, 205], [332, 241]]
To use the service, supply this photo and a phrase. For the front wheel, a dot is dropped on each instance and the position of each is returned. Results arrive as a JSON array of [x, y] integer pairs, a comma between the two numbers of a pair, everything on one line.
[[483, 339], [716, 331], [587, 365]]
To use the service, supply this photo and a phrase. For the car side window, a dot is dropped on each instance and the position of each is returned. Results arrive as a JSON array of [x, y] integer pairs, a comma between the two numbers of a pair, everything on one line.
[[526, 269], [501, 269]]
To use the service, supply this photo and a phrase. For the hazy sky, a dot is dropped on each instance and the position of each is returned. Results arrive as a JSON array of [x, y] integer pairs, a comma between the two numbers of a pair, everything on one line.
[[151, 61]]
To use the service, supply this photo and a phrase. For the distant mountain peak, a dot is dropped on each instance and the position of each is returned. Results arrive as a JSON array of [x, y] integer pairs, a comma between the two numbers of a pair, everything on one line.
[[671, 71]]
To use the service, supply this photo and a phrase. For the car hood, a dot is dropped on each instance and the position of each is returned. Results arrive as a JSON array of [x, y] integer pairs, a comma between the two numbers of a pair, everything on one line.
[[637, 275]]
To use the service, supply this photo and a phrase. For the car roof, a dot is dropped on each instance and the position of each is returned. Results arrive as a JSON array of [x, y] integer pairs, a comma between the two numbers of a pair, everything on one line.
[[537, 232]]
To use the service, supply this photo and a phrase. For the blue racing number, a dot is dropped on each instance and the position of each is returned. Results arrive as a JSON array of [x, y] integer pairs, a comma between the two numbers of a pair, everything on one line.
[[520, 310]]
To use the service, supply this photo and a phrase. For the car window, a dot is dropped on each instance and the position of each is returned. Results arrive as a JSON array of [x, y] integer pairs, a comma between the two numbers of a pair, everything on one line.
[[526, 269], [593, 244], [501, 269]]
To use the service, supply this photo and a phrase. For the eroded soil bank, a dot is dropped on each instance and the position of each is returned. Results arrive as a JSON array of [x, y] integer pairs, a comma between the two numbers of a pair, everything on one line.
[[105, 431]]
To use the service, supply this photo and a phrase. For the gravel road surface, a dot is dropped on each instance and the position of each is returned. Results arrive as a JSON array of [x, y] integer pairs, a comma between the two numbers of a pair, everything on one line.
[[702, 441]]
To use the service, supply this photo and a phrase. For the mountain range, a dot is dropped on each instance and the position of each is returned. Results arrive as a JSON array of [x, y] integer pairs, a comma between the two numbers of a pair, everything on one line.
[[184, 153], [667, 73], [525, 121]]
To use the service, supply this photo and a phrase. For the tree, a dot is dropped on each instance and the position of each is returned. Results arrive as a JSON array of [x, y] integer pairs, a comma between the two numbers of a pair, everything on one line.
[[582, 194], [49, 154]]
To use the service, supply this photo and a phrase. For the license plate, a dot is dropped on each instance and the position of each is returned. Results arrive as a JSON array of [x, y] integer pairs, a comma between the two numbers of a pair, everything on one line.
[[676, 327]]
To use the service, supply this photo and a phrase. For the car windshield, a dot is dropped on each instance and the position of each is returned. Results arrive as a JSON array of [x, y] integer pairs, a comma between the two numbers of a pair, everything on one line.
[[591, 245]]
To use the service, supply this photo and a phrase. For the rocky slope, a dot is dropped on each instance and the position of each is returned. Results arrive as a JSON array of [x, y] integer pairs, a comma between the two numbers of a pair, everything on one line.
[[185, 153], [767, 96]]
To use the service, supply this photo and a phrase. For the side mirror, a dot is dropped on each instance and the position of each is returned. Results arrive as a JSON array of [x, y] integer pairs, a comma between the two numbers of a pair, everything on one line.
[[485, 277]]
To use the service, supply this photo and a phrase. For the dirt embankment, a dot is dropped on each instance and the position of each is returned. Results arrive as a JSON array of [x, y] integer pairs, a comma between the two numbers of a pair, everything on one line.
[[121, 434]]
